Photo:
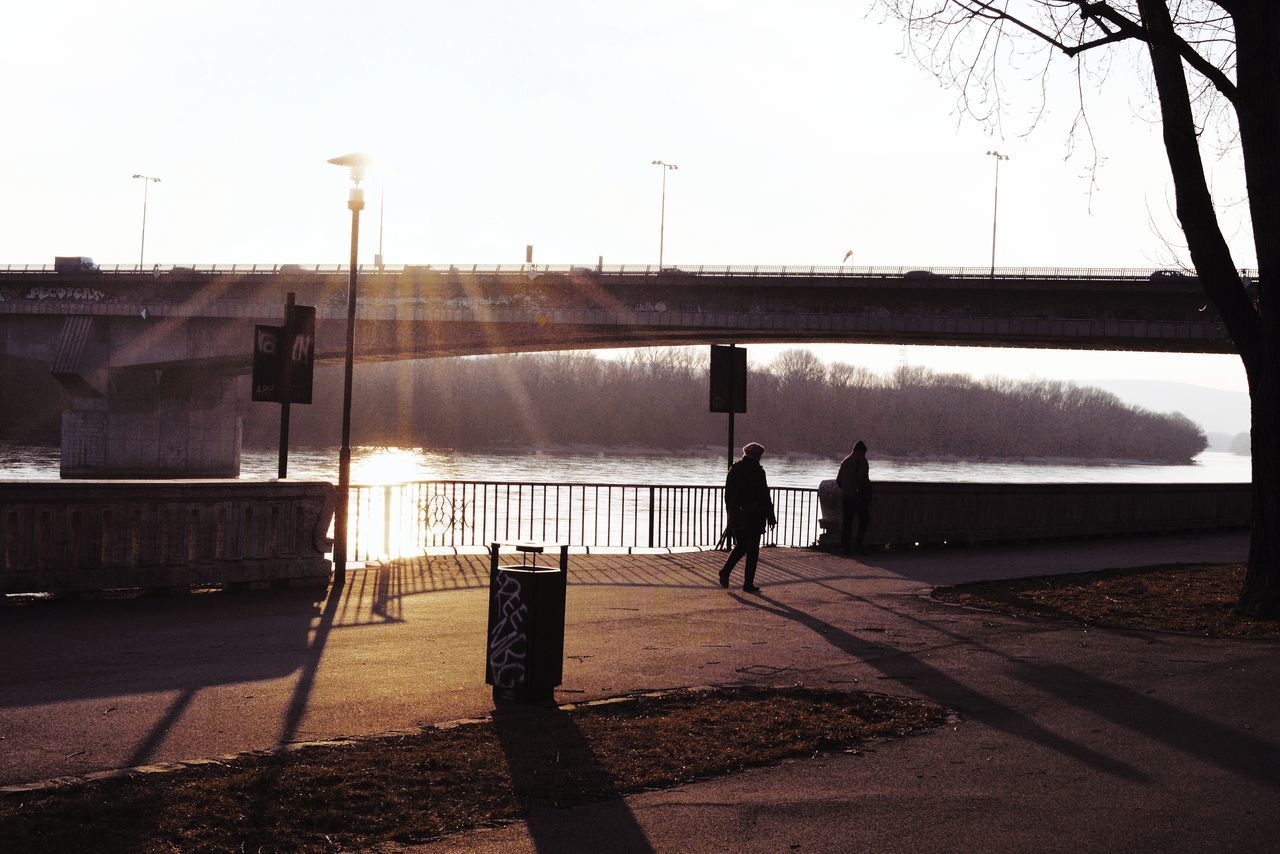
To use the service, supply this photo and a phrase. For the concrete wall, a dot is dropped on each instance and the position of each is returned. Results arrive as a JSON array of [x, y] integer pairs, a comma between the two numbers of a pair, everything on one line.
[[65, 536], [934, 513], [97, 443]]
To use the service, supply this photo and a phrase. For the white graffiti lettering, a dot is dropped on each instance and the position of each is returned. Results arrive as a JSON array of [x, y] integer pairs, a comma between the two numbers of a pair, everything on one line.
[[80, 294], [509, 642]]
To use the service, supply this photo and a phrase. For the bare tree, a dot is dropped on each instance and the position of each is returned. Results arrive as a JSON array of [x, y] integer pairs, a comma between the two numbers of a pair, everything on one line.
[[1212, 64]]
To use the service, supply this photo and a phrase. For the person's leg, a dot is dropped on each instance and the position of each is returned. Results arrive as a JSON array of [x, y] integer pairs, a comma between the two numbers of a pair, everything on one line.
[[739, 548], [848, 509], [753, 556], [864, 519]]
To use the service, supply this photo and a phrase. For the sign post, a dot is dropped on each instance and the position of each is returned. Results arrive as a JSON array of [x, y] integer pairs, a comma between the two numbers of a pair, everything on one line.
[[728, 383], [728, 394], [283, 364]]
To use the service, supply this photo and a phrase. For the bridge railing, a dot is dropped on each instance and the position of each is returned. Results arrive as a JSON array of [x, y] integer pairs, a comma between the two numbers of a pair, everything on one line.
[[627, 270], [399, 520]]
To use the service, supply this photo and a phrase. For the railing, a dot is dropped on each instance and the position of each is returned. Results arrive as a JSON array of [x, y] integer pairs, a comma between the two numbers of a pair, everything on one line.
[[710, 270], [399, 520]]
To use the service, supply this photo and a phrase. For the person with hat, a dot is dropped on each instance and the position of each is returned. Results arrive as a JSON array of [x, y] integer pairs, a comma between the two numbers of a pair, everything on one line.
[[854, 481], [750, 508]]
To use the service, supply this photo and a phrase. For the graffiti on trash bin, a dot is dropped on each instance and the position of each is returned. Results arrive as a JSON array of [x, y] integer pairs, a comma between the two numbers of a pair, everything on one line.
[[509, 641]]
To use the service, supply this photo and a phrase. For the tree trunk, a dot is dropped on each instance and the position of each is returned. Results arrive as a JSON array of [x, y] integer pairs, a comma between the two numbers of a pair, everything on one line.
[[1256, 335], [1257, 28], [1260, 596]]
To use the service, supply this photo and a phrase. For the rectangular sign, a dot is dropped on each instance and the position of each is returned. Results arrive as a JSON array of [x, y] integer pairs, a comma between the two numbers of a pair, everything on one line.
[[728, 378], [284, 357], [300, 332], [267, 381]]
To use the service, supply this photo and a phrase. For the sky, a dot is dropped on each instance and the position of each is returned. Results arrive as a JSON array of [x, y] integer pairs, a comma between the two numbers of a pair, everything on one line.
[[801, 131]]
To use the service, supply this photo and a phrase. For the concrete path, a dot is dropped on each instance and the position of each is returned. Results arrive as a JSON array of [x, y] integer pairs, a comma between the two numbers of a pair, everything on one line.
[[1066, 737]]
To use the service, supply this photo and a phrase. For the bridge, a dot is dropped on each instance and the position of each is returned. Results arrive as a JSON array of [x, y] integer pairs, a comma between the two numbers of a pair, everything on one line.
[[148, 358]]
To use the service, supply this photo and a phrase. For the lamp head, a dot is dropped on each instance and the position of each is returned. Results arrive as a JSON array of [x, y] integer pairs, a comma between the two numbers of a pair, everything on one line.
[[356, 162]]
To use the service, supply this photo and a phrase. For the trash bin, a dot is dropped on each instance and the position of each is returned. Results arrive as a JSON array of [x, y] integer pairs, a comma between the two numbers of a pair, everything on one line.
[[525, 655]]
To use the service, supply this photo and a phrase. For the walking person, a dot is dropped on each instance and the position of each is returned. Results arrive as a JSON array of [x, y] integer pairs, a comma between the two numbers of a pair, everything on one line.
[[854, 481], [746, 498]]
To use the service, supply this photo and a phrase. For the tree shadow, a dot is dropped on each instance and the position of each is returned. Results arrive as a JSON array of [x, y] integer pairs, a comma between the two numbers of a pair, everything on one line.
[[945, 690], [1196, 735], [551, 765], [1206, 739]]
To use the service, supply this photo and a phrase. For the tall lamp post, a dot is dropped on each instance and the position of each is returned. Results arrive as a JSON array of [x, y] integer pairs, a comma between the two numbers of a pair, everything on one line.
[[357, 164], [147, 181], [995, 202], [662, 221]]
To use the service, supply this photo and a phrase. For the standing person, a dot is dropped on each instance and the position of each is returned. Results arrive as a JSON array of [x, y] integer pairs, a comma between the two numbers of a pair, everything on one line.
[[746, 497], [854, 481]]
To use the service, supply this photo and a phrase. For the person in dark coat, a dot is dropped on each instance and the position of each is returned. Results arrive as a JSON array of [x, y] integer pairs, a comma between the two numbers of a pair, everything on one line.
[[854, 481], [746, 497]]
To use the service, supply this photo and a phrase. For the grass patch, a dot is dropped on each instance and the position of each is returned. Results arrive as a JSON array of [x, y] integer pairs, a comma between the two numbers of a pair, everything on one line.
[[417, 787], [1195, 599]]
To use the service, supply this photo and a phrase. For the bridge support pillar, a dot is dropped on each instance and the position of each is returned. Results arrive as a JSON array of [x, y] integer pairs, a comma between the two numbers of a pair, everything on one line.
[[153, 424]]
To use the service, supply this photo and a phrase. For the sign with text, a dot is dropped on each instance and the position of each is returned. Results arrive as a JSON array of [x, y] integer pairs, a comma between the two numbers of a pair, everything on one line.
[[284, 358], [267, 381], [728, 378]]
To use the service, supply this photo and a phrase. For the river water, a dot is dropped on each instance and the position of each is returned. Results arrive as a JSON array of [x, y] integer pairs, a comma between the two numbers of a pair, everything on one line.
[[398, 465]]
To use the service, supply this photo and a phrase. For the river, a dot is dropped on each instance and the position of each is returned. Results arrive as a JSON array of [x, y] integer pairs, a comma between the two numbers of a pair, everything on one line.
[[397, 465]]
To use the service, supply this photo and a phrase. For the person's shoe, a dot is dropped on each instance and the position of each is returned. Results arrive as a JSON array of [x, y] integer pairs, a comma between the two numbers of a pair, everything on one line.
[[750, 588], [724, 579]]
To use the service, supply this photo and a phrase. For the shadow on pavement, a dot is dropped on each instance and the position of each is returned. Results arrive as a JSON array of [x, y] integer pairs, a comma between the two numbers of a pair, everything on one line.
[[545, 752], [1196, 735], [108, 648], [945, 690], [1201, 737]]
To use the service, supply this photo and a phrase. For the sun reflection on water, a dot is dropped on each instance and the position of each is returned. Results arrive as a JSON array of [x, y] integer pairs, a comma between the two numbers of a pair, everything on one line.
[[383, 466]]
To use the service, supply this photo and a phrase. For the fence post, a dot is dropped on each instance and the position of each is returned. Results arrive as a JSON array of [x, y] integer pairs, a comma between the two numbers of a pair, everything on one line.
[[386, 521], [651, 517]]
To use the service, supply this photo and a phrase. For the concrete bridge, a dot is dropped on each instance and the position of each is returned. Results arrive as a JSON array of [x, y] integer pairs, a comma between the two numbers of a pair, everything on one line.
[[148, 358]]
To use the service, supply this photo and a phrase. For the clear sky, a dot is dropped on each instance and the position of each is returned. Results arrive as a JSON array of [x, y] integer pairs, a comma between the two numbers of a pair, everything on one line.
[[800, 131]]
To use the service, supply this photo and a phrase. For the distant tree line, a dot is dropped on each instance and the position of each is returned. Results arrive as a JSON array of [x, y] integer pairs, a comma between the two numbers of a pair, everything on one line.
[[659, 398]]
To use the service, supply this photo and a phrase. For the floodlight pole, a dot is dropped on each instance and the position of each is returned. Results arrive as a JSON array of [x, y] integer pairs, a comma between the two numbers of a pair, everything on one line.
[[662, 220], [995, 204], [147, 181]]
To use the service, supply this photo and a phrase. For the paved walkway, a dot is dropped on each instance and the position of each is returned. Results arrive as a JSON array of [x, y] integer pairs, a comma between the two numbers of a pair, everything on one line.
[[1067, 738]]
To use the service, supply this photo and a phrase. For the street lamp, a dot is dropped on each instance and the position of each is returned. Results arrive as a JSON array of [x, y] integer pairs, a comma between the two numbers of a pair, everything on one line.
[[147, 181], [995, 201], [662, 222], [357, 164]]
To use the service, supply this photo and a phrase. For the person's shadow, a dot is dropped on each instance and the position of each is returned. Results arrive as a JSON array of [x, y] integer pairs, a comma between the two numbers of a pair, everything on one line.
[[552, 766]]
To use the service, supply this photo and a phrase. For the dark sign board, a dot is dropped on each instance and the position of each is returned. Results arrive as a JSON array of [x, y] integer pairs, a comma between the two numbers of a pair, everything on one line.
[[284, 357], [728, 378], [301, 330], [266, 363]]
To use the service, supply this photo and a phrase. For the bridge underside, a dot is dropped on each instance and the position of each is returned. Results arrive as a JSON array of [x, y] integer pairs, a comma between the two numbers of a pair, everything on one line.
[[147, 362]]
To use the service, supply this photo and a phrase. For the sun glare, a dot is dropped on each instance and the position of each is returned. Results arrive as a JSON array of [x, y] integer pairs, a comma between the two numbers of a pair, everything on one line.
[[382, 466]]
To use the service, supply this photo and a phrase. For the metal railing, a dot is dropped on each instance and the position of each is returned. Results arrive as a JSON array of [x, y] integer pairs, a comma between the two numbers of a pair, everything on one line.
[[401, 520], [709, 270]]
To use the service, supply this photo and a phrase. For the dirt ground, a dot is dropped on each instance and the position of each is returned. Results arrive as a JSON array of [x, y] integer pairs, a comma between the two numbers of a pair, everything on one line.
[[1195, 599]]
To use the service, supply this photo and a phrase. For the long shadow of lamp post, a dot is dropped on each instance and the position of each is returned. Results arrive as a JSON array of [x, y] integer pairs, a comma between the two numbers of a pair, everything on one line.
[[357, 163]]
